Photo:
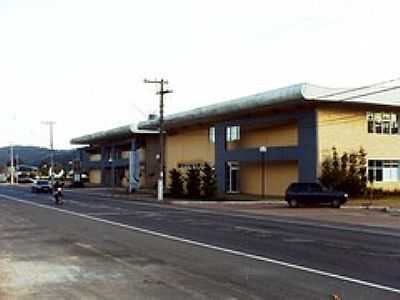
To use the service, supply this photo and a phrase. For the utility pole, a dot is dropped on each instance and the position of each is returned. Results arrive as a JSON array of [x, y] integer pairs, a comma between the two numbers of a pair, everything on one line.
[[51, 124], [161, 92], [16, 167], [12, 163]]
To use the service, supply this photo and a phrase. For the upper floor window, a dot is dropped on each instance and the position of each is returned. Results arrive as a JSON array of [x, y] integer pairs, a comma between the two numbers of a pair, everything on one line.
[[211, 135], [232, 133], [383, 123]]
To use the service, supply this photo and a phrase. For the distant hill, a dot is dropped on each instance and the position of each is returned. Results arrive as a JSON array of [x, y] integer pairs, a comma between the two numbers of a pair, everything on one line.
[[33, 156]]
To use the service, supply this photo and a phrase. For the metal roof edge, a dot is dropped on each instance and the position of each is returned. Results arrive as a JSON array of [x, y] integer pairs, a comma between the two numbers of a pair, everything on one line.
[[114, 133], [272, 97]]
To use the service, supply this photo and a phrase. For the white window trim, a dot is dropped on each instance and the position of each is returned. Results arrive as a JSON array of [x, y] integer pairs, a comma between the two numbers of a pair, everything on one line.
[[382, 121], [382, 159]]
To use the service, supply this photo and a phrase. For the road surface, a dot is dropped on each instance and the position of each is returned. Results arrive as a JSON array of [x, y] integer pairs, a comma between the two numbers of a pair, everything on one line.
[[96, 247]]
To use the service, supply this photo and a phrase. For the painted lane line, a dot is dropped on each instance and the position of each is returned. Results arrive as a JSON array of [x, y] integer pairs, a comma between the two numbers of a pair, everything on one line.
[[212, 247]]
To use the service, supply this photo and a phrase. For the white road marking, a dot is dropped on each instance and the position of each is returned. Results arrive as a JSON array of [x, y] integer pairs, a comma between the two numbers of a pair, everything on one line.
[[216, 248]]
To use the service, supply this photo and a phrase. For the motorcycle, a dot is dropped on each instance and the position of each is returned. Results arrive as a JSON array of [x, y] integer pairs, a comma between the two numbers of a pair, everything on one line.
[[58, 196]]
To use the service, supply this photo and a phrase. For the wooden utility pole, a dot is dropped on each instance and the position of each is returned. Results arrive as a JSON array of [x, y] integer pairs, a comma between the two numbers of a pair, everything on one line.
[[161, 92]]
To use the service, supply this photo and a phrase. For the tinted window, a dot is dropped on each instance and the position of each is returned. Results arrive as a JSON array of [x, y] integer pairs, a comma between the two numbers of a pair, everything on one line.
[[42, 182], [315, 187]]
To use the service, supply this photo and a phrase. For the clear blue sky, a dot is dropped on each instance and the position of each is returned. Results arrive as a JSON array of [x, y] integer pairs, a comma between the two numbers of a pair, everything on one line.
[[82, 63]]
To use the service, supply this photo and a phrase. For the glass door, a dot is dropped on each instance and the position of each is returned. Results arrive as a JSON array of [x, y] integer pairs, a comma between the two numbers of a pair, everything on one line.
[[233, 184]]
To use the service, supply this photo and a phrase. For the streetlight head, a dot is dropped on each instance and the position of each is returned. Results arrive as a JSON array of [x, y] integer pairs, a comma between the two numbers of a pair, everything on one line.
[[263, 149]]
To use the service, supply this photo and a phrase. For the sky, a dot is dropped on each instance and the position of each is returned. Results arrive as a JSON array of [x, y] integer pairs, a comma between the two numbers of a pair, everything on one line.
[[81, 63]]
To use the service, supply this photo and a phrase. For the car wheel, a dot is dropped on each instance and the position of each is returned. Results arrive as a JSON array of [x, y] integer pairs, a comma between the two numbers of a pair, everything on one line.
[[293, 203], [33, 190], [336, 203]]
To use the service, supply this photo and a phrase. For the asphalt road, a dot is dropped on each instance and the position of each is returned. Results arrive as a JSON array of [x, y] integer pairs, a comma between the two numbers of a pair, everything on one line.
[[201, 254]]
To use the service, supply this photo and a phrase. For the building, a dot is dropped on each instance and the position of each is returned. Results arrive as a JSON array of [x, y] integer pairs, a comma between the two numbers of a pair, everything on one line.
[[120, 157], [261, 143]]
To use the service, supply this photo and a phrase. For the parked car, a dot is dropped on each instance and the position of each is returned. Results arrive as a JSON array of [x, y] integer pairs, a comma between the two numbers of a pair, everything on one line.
[[41, 186], [313, 193], [25, 180]]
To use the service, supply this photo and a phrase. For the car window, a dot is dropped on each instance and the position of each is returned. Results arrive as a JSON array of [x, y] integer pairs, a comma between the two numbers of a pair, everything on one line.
[[42, 182], [315, 187]]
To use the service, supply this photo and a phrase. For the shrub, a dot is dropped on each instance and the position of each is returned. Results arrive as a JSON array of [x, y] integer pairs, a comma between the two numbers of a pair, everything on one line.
[[209, 181], [176, 185], [347, 173], [193, 182]]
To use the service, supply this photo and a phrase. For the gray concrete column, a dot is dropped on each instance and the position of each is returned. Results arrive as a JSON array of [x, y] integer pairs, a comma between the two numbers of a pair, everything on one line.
[[308, 146], [220, 149]]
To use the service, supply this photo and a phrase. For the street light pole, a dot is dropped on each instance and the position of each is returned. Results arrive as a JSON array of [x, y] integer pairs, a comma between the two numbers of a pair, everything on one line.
[[263, 152], [161, 92], [51, 124]]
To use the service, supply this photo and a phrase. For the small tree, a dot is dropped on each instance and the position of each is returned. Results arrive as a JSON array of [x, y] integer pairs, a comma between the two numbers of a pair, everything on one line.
[[193, 182], [209, 181], [347, 173], [176, 185], [362, 171]]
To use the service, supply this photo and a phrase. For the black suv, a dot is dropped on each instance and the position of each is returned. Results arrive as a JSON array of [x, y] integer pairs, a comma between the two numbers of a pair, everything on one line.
[[312, 193]]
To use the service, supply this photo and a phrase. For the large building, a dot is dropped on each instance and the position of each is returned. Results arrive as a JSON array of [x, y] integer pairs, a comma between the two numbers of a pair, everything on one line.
[[123, 156], [262, 143]]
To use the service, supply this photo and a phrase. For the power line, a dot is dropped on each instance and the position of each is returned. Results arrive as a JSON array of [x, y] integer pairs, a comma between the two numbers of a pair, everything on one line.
[[370, 93], [357, 89]]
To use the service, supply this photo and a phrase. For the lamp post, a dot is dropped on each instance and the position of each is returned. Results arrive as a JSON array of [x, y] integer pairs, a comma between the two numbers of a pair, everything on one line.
[[263, 152]]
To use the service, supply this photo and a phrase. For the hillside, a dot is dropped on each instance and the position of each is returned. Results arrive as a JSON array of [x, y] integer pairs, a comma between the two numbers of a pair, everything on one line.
[[33, 156]]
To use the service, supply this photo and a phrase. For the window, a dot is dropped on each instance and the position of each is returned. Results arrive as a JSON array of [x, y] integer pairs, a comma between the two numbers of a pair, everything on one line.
[[394, 123], [211, 135], [370, 119], [232, 133], [378, 122], [383, 123], [383, 170]]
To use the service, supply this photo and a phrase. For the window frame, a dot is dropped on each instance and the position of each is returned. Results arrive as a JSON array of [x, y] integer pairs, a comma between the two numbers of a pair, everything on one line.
[[379, 169], [385, 123], [232, 133]]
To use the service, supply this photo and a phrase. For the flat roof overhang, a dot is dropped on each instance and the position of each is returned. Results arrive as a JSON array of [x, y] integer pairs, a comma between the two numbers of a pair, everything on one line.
[[287, 97], [114, 134]]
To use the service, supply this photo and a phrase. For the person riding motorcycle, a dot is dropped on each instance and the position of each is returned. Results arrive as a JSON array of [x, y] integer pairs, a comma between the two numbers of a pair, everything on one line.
[[58, 193]]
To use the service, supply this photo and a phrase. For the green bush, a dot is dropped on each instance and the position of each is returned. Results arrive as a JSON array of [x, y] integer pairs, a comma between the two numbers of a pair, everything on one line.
[[176, 185], [193, 182], [209, 181], [346, 173]]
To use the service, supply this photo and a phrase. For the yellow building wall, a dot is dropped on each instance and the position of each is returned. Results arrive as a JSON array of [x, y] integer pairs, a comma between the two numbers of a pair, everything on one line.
[[278, 176], [125, 155], [190, 145], [95, 176], [346, 129], [279, 135], [95, 157]]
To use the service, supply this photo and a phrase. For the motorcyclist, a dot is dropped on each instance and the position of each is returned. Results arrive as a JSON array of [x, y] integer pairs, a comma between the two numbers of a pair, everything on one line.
[[58, 192]]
